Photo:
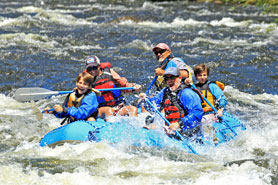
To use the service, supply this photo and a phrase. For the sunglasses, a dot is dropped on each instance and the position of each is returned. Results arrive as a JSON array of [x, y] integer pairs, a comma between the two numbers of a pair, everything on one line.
[[92, 68], [170, 77], [159, 52]]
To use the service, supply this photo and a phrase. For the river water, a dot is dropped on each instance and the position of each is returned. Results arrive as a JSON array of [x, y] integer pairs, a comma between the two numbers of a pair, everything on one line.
[[44, 44]]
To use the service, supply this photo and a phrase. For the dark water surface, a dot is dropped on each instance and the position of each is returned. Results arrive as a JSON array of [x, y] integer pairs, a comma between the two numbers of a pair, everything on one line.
[[44, 44]]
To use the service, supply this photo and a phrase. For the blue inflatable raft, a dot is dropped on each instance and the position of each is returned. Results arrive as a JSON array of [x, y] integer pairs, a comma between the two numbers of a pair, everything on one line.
[[82, 131]]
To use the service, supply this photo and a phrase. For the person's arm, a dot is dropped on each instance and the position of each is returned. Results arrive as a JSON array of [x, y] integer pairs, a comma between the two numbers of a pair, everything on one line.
[[219, 95], [179, 63], [157, 99], [192, 105], [220, 98], [58, 109], [185, 76], [88, 106], [122, 81]]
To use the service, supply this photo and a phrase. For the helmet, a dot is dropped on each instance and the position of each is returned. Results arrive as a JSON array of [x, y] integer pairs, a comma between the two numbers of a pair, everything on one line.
[[162, 46]]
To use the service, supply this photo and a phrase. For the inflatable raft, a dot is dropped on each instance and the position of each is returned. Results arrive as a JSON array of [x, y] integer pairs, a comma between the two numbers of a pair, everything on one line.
[[113, 133]]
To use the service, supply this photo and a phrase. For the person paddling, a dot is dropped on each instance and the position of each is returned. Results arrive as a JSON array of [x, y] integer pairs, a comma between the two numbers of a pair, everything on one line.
[[166, 59], [111, 103], [181, 105], [81, 104], [211, 91]]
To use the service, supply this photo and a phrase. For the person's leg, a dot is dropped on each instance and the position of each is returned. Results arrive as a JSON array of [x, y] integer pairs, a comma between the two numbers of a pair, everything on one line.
[[128, 111], [209, 118], [91, 119], [105, 112]]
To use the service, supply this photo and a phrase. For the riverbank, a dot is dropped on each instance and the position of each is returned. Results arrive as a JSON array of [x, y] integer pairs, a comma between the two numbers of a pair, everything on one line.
[[250, 2], [269, 6]]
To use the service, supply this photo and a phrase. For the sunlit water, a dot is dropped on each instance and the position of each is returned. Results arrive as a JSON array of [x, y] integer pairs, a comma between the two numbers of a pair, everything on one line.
[[44, 44]]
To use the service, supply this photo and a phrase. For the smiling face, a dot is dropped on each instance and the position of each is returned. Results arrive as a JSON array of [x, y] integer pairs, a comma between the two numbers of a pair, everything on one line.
[[82, 86], [202, 77], [173, 82], [161, 54], [158, 53]]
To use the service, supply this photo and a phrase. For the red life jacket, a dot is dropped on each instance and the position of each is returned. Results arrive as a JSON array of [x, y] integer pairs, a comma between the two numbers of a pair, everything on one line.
[[172, 106], [107, 98]]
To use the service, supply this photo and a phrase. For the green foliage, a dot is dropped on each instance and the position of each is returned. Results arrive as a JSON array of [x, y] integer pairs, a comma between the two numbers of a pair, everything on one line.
[[269, 6]]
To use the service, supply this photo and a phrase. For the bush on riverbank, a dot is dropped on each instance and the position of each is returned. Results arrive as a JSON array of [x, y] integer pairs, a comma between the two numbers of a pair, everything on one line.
[[270, 6], [251, 2]]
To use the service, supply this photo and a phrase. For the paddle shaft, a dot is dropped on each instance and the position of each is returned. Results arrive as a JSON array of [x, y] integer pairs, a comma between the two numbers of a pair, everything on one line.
[[108, 89], [168, 123], [150, 86]]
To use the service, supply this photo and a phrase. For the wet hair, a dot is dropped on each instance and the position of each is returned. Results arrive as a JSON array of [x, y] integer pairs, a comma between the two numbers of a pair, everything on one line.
[[86, 76], [201, 68]]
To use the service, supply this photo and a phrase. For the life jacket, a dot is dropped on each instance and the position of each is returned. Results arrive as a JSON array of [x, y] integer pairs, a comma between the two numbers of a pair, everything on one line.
[[107, 98], [172, 106], [205, 90], [160, 82], [75, 101]]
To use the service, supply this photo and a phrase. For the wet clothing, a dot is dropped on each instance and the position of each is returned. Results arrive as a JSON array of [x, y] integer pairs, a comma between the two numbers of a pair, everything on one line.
[[213, 94], [79, 107], [170, 62], [190, 103]]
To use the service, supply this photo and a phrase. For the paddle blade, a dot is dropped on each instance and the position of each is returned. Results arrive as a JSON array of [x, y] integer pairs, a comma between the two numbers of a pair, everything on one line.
[[37, 112], [28, 94]]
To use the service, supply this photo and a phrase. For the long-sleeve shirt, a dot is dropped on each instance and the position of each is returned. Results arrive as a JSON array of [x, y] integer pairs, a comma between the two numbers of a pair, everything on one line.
[[191, 103], [122, 81], [218, 94], [88, 106]]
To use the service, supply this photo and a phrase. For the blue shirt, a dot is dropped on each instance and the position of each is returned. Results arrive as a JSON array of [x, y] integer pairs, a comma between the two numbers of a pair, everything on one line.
[[88, 106], [218, 94], [191, 103]]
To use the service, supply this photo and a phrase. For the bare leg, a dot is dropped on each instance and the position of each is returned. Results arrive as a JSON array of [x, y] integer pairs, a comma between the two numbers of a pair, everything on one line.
[[143, 109], [105, 112], [209, 118], [128, 111], [91, 119]]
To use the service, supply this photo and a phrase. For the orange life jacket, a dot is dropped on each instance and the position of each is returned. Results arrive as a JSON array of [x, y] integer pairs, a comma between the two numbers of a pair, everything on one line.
[[74, 101], [204, 88]]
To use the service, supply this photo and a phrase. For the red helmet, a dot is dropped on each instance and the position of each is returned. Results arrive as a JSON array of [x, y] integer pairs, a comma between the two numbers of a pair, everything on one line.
[[162, 46]]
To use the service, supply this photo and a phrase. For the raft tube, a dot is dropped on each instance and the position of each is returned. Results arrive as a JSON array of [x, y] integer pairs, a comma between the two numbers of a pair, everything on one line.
[[113, 133]]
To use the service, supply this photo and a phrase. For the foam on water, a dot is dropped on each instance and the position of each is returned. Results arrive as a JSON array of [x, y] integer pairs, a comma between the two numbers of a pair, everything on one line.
[[44, 44]]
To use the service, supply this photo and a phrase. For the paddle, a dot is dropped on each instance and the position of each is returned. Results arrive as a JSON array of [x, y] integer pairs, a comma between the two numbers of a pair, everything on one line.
[[36, 111], [37, 93], [150, 86], [168, 123], [214, 109]]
